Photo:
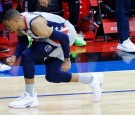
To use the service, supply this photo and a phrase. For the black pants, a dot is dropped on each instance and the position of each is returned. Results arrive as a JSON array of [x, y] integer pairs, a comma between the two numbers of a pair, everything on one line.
[[53, 65], [122, 15]]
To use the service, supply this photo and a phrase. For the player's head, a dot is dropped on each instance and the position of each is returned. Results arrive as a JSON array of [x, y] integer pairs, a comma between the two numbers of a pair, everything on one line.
[[11, 20]]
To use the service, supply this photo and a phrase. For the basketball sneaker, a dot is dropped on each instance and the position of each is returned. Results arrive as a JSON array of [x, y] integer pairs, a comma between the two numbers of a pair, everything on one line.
[[96, 85], [79, 41], [25, 101], [4, 68], [126, 46]]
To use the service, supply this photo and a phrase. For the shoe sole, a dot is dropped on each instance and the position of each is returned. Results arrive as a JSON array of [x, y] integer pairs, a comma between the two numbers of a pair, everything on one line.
[[34, 105], [25, 106], [80, 44]]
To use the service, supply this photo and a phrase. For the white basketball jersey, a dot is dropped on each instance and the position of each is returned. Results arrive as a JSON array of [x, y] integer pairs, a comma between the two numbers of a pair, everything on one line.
[[30, 16], [67, 28]]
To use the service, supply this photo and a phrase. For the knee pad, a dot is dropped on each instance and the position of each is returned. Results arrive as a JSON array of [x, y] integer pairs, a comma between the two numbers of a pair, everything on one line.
[[58, 77], [53, 77]]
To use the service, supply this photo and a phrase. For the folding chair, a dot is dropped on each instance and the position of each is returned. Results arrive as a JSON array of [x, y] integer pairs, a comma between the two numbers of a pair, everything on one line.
[[107, 14]]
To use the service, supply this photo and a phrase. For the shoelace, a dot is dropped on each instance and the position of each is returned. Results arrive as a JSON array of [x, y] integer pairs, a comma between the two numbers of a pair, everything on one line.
[[22, 97]]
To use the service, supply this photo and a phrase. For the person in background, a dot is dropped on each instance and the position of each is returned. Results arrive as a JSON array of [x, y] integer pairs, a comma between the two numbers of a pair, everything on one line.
[[122, 16], [4, 34]]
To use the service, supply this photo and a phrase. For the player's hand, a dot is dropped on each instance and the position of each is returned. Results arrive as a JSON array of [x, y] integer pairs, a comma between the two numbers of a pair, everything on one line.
[[44, 3], [66, 65], [11, 60]]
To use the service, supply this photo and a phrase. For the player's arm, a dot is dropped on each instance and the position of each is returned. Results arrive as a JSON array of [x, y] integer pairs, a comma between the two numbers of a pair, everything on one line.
[[40, 28], [22, 45], [64, 40]]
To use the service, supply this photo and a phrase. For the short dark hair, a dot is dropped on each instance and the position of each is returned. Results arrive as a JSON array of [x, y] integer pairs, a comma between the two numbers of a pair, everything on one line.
[[10, 14]]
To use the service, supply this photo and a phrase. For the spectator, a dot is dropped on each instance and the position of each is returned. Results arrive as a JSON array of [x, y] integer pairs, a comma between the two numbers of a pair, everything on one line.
[[122, 15]]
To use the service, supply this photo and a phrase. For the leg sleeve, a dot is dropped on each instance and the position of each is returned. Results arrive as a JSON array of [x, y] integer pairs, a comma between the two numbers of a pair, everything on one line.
[[54, 72]]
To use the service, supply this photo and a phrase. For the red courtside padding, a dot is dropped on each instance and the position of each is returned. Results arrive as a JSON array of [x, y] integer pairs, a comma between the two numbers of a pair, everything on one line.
[[66, 12], [110, 26], [4, 44]]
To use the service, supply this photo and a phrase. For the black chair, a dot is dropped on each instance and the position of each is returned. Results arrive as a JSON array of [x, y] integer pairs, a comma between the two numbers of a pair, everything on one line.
[[107, 10]]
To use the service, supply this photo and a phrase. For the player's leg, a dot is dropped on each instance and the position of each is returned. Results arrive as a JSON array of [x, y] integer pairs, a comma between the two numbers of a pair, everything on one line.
[[55, 74], [29, 98], [95, 81]]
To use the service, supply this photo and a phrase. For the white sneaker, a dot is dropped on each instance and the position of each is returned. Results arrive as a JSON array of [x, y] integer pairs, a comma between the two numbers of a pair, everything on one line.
[[96, 85], [126, 46], [25, 101], [4, 68]]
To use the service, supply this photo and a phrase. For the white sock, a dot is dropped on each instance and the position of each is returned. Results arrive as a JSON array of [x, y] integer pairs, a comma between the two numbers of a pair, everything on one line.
[[85, 78], [29, 88]]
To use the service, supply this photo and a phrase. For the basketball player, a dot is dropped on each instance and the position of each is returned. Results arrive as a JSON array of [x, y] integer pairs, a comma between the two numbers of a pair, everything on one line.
[[52, 37]]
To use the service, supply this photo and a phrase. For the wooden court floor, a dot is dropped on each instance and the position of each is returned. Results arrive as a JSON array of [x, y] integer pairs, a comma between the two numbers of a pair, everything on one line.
[[73, 99]]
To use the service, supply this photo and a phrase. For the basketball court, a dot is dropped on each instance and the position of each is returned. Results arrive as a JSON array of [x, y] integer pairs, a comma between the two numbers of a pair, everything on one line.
[[76, 99]]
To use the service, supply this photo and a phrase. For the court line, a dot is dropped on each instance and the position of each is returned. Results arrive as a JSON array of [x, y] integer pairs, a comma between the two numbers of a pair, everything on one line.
[[67, 94], [123, 71]]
